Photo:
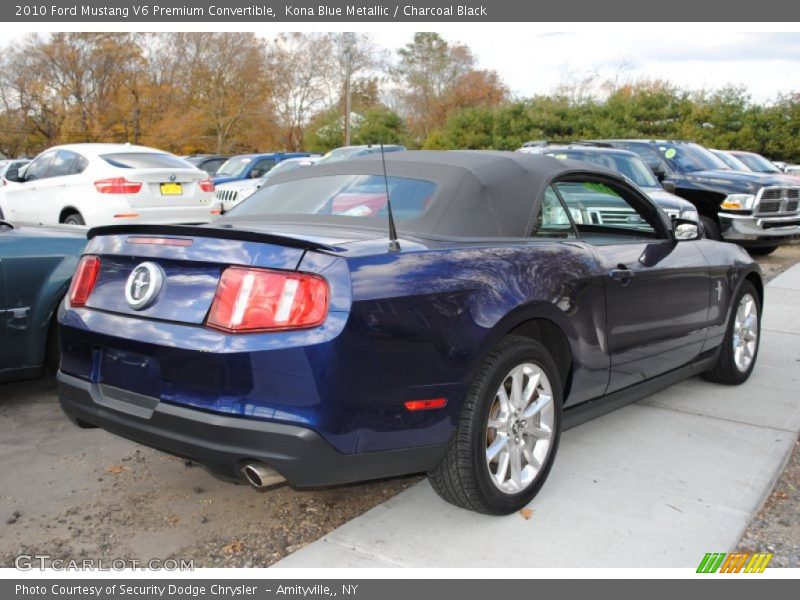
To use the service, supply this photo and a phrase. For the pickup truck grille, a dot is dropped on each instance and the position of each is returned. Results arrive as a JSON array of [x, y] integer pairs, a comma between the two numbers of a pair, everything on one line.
[[625, 217], [227, 195], [775, 201]]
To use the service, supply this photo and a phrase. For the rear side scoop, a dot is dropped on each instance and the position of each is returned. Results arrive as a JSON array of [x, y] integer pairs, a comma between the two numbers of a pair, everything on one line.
[[213, 232]]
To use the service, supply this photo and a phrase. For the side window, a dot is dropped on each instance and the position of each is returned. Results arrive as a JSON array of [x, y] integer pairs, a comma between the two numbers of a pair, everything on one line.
[[39, 168], [649, 156], [62, 163], [79, 165], [212, 166], [552, 219], [599, 207], [262, 167]]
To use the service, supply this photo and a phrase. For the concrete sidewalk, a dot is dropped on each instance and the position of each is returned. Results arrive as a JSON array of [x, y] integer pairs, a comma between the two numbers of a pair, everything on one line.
[[655, 484]]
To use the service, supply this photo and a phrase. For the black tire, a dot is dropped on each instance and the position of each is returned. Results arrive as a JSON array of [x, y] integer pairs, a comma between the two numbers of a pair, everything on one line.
[[710, 229], [463, 477], [74, 219], [762, 250], [725, 369]]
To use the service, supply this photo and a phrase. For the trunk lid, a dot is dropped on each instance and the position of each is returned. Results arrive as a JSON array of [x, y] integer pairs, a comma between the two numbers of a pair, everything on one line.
[[189, 261], [167, 187]]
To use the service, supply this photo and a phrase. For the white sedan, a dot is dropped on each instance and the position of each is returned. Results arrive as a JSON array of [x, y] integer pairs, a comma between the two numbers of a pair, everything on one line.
[[106, 184]]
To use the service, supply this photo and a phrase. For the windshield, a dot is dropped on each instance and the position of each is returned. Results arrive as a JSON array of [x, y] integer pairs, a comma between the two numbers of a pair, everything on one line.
[[286, 165], [691, 157], [144, 160], [757, 163], [234, 167], [630, 166], [730, 160], [340, 154], [341, 195]]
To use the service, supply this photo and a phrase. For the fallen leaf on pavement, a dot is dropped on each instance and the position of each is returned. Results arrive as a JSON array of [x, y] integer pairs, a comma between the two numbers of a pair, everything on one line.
[[233, 547], [526, 513], [116, 469]]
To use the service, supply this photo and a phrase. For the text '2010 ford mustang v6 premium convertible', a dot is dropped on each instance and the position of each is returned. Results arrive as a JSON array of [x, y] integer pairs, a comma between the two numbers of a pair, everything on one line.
[[311, 332]]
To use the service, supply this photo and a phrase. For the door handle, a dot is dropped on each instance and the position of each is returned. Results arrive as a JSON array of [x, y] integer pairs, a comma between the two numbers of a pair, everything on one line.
[[621, 275]]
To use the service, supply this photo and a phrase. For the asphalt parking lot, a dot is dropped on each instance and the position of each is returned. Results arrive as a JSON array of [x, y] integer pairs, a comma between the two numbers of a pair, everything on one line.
[[72, 493]]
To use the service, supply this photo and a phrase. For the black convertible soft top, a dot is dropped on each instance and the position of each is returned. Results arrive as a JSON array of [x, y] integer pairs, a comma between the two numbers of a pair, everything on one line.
[[479, 193]]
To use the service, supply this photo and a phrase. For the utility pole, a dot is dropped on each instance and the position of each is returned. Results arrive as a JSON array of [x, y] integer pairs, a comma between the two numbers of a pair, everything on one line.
[[349, 46]]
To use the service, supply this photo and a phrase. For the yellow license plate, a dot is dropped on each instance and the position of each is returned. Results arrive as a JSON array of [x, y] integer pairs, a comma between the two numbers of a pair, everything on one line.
[[171, 189]]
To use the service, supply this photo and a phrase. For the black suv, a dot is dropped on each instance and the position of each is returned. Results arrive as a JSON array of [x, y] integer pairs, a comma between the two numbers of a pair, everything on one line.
[[756, 210]]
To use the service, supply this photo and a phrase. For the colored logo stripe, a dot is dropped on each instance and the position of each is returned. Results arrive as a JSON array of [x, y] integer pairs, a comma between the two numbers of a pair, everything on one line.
[[711, 562], [758, 562], [734, 562]]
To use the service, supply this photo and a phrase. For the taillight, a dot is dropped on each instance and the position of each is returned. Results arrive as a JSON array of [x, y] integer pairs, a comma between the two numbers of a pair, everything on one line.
[[117, 185], [206, 185], [83, 281], [263, 300]]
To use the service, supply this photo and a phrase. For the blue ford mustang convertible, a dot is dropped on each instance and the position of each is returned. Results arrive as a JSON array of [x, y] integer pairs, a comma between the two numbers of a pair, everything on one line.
[[449, 314]]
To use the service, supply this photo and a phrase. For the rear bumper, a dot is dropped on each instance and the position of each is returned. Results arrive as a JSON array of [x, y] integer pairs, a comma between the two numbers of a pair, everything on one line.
[[750, 230], [224, 444]]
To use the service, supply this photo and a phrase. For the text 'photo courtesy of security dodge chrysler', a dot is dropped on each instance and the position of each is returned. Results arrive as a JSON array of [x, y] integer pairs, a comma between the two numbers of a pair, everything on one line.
[[300, 334]]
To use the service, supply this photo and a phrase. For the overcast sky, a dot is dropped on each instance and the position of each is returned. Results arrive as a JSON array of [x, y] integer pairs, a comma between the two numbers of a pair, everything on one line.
[[767, 63], [533, 58]]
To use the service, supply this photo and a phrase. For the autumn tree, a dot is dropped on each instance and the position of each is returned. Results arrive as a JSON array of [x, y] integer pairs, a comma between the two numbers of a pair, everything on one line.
[[436, 78], [303, 67]]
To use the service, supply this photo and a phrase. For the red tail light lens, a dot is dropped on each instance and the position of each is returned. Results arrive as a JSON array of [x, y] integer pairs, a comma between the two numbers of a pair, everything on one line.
[[249, 300], [117, 185], [207, 185], [83, 281], [433, 403]]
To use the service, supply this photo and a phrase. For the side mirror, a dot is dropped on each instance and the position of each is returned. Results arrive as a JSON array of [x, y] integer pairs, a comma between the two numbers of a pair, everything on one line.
[[669, 186], [685, 230]]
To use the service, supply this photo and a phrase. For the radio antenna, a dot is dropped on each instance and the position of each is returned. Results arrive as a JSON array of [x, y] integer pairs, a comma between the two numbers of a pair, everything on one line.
[[394, 244]]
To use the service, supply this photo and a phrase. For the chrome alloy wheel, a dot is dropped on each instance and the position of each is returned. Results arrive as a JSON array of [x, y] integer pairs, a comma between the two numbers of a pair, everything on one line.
[[745, 333], [520, 428]]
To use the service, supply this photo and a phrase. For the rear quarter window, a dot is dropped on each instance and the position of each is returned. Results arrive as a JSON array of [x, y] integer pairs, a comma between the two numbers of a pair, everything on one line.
[[342, 195]]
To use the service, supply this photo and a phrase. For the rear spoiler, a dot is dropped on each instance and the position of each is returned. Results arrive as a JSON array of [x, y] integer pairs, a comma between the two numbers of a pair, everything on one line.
[[224, 233]]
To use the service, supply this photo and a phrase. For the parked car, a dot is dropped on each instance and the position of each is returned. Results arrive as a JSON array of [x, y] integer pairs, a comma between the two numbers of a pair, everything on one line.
[[36, 265], [230, 194], [296, 334], [210, 163], [12, 163], [792, 169], [627, 164], [348, 152], [252, 166], [756, 210], [755, 162], [758, 164], [730, 160], [101, 184], [5, 166]]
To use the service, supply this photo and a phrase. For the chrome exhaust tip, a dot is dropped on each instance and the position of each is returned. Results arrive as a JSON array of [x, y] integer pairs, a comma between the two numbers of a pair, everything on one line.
[[260, 476]]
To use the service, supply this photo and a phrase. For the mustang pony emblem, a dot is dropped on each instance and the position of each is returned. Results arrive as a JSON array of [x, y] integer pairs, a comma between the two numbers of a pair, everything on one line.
[[143, 285]]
